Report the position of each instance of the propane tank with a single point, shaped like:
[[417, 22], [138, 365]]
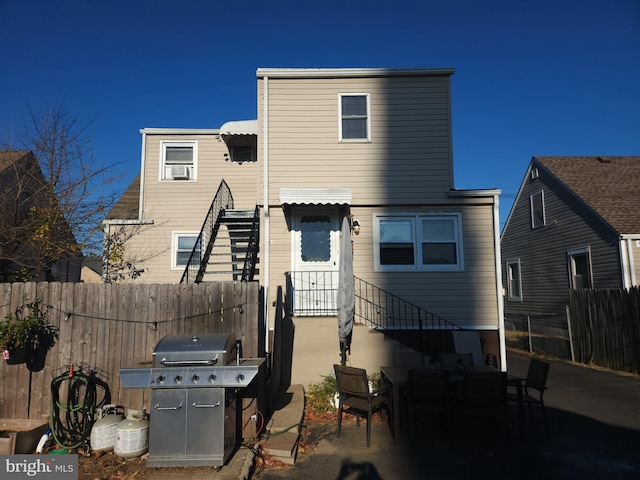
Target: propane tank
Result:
[[104, 431], [132, 438]]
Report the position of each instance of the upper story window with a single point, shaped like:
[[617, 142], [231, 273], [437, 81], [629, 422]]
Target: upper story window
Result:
[[537, 209], [514, 281], [580, 268], [420, 241], [178, 161], [354, 117]]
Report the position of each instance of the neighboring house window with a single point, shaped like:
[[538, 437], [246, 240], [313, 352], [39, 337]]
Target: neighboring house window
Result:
[[183, 246], [178, 161], [580, 268], [242, 153], [514, 280], [420, 241], [537, 209], [354, 117]]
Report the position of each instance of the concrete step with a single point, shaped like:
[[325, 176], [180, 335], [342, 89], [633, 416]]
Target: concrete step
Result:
[[285, 425]]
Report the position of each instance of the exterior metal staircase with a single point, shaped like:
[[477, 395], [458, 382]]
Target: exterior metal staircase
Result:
[[227, 247]]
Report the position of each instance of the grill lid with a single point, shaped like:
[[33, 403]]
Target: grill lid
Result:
[[202, 349]]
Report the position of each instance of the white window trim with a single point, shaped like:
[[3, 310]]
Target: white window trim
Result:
[[417, 266], [178, 143], [174, 247], [354, 140], [544, 210], [572, 253], [510, 296]]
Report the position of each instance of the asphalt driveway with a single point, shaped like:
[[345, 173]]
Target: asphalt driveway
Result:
[[595, 426]]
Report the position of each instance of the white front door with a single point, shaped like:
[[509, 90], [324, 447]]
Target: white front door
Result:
[[316, 238]]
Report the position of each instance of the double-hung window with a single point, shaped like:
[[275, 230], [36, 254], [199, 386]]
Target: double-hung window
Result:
[[184, 244], [580, 268], [418, 241], [537, 209], [354, 117], [514, 281], [178, 161]]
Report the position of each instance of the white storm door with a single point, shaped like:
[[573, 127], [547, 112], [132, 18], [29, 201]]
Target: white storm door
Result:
[[316, 239]]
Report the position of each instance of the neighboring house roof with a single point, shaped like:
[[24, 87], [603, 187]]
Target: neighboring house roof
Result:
[[608, 185], [9, 157], [127, 206]]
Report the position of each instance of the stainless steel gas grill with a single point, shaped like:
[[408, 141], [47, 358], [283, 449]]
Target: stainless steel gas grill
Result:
[[194, 381]]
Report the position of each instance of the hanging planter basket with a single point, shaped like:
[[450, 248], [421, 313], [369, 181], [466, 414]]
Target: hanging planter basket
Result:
[[15, 356]]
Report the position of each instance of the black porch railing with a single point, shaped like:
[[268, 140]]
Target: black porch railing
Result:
[[197, 263], [314, 294]]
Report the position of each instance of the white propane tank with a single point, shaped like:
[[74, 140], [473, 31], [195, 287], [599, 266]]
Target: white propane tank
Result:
[[132, 435], [104, 431]]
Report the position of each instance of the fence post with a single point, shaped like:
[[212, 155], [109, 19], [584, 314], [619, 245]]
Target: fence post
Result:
[[529, 333], [568, 310]]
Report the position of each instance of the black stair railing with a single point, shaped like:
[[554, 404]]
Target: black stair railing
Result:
[[386, 311], [197, 263], [251, 260]]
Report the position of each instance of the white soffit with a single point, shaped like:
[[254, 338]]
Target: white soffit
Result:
[[315, 196], [240, 127]]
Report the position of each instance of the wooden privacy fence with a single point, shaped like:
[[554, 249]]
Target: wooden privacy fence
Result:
[[605, 327], [109, 326]]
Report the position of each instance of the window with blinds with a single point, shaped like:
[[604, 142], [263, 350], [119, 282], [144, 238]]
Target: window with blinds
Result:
[[354, 117], [418, 242]]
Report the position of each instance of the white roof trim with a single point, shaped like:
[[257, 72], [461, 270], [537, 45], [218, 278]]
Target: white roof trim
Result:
[[180, 131], [240, 127], [350, 72], [315, 196]]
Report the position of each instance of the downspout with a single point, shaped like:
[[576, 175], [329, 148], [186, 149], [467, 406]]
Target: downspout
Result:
[[626, 263], [265, 207], [498, 267], [143, 155], [631, 265]]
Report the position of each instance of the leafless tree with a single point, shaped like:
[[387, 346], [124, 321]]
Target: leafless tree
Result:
[[54, 200]]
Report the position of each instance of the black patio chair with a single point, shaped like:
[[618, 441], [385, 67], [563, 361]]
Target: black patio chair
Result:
[[429, 392], [534, 388], [485, 396], [355, 397]]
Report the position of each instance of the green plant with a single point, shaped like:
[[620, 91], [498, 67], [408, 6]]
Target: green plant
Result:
[[28, 327], [320, 395]]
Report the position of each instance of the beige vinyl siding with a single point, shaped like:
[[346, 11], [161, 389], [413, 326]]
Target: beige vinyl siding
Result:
[[467, 298], [635, 258], [409, 154], [181, 206]]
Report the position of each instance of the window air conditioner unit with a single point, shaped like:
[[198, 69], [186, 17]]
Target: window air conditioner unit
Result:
[[180, 172]]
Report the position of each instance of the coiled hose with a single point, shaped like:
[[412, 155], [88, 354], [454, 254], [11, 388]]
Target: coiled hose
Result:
[[75, 395]]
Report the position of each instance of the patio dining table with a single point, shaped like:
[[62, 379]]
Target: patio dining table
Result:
[[398, 377]]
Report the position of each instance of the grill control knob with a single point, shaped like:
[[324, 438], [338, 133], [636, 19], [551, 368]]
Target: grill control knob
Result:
[[161, 379], [212, 378], [195, 378], [178, 379], [240, 378]]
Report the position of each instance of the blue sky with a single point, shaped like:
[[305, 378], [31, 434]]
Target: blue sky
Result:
[[533, 77]]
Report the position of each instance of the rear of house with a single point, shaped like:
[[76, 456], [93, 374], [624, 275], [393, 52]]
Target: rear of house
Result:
[[371, 145]]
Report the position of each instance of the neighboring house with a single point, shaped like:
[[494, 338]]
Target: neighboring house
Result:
[[574, 224], [36, 243], [370, 144], [91, 270]]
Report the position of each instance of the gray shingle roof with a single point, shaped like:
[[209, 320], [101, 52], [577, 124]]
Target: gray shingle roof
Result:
[[609, 185], [9, 157], [126, 208]]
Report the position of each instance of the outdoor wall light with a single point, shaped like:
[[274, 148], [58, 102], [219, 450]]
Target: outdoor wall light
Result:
[[356, 226]]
